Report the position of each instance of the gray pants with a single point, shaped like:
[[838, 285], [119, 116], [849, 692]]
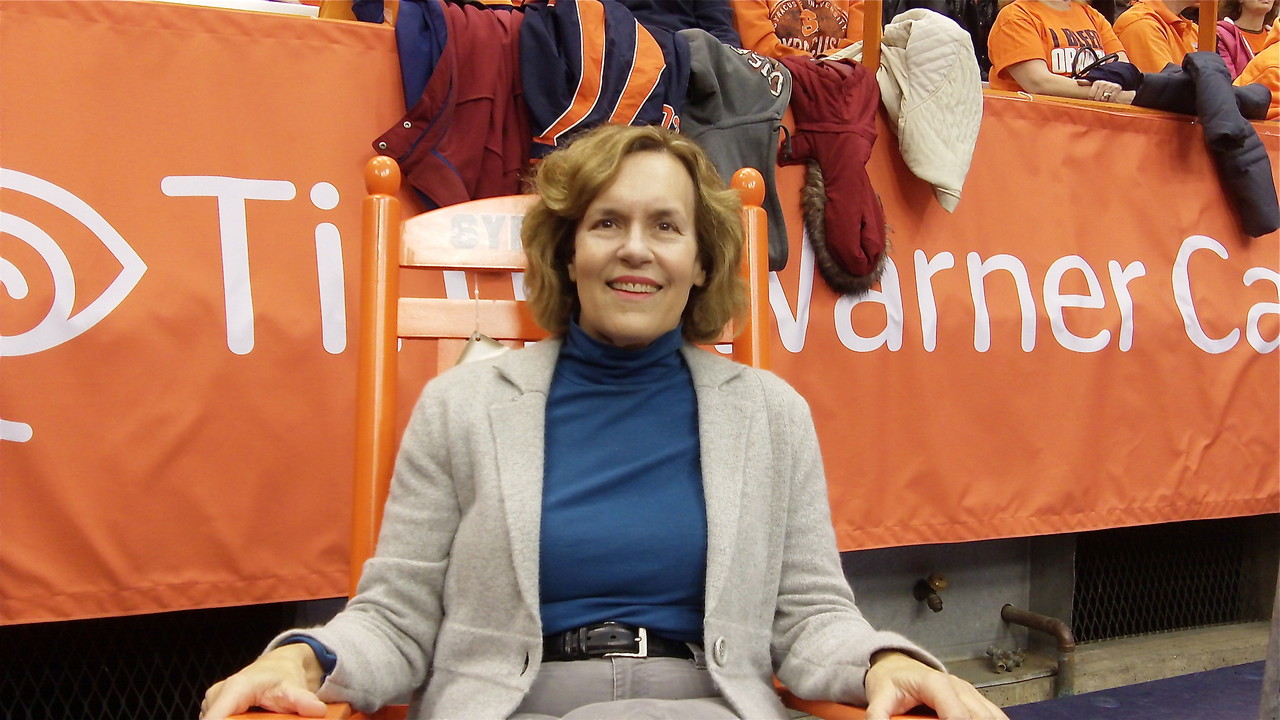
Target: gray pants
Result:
[[624, 689]]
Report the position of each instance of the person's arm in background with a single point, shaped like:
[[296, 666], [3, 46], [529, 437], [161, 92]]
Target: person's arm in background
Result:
[[756, 29], [1264, 69], [1034, 77]]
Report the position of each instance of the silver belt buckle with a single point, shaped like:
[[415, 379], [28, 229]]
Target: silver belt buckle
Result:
[[643, 636]]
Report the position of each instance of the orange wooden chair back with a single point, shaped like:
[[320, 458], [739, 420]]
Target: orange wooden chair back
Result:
[[387, 316]]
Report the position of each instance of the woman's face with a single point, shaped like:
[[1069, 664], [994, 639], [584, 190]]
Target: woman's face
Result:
[[636, 252]]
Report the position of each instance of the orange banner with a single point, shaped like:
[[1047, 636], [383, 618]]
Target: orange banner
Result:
[[1089, 341], [181, 198]]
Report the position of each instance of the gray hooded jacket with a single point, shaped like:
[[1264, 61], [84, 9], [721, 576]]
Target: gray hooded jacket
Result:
[[733, 110]]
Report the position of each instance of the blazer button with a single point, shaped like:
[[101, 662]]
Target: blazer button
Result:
[[720, 651]]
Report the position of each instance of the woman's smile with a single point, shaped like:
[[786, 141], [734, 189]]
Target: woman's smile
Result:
[[635, 286]]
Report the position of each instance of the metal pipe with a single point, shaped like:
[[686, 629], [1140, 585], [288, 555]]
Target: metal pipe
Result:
[[1065, 683]]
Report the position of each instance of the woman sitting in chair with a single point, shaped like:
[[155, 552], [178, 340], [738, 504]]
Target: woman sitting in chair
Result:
[[611, 521]]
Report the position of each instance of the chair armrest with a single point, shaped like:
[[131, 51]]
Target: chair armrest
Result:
[[834, 711], [818, 708], [336, 711]]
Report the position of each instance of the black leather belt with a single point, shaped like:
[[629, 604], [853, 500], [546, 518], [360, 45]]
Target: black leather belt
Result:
[[610, 639]]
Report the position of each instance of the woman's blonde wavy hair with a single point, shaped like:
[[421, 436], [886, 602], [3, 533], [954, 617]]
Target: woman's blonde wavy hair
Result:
[[569, 179]]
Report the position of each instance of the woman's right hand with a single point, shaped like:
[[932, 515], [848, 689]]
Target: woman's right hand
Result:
[[283, 680]]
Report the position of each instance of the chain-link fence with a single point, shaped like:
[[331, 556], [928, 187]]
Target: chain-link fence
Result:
[[1141, 580], [150, 667]]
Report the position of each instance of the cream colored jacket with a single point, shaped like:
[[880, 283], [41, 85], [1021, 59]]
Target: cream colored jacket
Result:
[[932, 90]]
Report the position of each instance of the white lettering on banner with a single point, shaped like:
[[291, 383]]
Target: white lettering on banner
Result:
[[978, 271], [793, 324], [1055, 301], [58, 325], [1186, 304], [1183, 296], [332, 285], [232, 194], [455, 285], [1120, 278], [925, 270], [890, 295], [1256, 312], [330, 274]]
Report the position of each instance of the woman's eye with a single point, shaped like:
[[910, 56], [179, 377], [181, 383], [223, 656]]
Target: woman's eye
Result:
[[604, 223], [667, 227]]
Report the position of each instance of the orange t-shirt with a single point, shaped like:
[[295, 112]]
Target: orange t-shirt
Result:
[[1154, 37], [1032, 30], [777, 28], [1264, 68], [1257, 40]]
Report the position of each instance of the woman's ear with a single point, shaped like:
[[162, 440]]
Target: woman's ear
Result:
[[699, 275], [572, 271]]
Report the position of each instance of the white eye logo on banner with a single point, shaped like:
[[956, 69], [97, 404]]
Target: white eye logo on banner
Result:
[[59, 325]]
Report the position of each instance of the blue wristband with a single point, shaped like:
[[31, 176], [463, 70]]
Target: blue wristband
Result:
[[328, 661]]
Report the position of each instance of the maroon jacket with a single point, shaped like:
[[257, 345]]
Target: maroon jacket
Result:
[[834, 104], [468, 137]]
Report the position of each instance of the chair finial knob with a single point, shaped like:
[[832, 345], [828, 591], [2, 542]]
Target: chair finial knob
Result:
[[382, 176], [750, 186]]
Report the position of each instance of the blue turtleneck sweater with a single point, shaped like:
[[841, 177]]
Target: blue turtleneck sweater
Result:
[[624, 526]]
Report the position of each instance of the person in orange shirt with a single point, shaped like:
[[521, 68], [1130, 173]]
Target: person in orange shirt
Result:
[[1155, 34], [1037, 45], [1264, 69], [778, 28], [1254, 18]]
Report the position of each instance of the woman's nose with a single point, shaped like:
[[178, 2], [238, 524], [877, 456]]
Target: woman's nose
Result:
[[635, 246]]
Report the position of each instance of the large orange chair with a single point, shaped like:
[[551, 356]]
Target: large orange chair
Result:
[[388, 317]]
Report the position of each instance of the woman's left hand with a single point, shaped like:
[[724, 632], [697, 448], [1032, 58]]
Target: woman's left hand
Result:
[[1103, 91], [897, 682]]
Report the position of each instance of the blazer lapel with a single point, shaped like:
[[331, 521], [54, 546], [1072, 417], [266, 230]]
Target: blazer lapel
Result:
[[725, 424], [518, 435]]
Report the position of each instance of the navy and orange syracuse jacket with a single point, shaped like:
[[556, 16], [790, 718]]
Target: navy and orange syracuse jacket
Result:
[[585, 63]]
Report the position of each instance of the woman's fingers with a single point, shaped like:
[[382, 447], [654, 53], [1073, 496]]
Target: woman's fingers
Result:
[[281, 681], [976, 705], [898, 683], [1104, 91]]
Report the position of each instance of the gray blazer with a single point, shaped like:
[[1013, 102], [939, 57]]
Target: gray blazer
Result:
[[448, 612]]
